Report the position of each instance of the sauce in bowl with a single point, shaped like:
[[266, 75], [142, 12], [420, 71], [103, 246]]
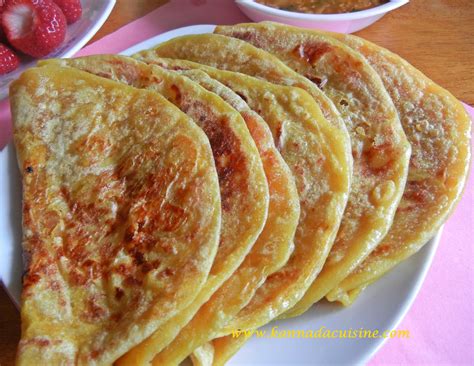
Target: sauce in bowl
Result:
[[323, 6]]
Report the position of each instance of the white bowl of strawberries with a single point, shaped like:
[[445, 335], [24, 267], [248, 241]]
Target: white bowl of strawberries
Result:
[[34, 29]]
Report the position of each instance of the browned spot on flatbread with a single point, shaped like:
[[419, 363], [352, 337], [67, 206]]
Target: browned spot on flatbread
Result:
[[94, 312], [51, 219], [241, 95], [278, 132], [247, 36], [229, 161], [167, 272], [417, 192], [39, 266], [226, 149], [377, 160], [176, 99], [319, 81], [95, 354], [76, 236], [346, 66], [133, 281], [142, 221], [311, 52], [381, 251], [119, 293], [38, 342]]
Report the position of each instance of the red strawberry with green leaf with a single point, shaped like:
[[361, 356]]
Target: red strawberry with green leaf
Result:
[[9, 61], [35, 27], [72, 9]]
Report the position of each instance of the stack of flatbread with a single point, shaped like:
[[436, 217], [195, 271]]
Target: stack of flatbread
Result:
[[218, 182]]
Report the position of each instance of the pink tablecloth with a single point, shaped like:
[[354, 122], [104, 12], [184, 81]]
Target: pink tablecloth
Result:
[[441, 319]]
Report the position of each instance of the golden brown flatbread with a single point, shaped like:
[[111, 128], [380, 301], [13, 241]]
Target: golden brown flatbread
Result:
[[244, 189], [438, 129], [232, 55], [244, 193], [121, 214], [317, 154], [379, 146], [276, 239], [270, 252]]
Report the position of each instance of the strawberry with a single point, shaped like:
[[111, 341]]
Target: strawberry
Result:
[[72, 9], [2, 35], [35, 27], [8, 60]]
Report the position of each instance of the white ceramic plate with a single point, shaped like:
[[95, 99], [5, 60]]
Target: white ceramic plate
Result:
[[381, 306], [94, 14], [342, 23]]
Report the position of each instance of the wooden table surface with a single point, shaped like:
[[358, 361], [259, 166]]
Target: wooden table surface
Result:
[[437, 36]]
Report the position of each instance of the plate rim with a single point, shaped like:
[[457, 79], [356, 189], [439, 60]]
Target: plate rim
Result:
[[432, 247]]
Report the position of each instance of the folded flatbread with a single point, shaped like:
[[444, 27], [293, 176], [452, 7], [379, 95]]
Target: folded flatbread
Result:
[[121, 214], [319, 160], [270, 252], [379, 146], [244, 188], [438, 129]]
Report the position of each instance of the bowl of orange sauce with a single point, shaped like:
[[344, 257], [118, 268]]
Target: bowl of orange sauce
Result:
[[343, 16]]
